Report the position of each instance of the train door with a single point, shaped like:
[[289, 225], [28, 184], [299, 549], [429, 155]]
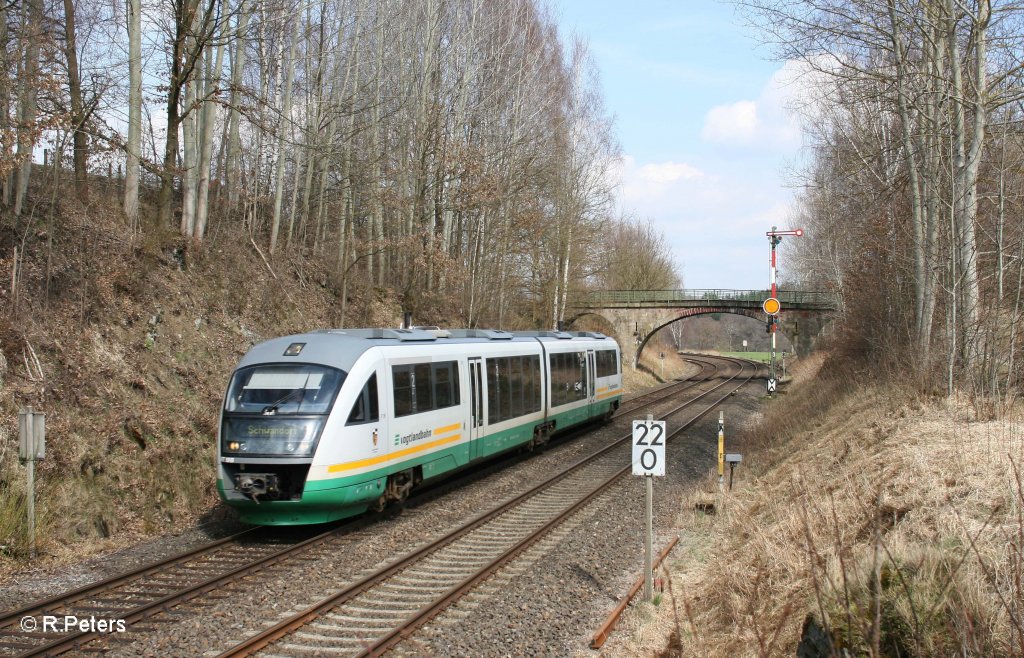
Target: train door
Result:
[[365, 433], [476, 407], [591, 381]]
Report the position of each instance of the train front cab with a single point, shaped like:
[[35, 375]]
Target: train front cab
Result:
[[288, 484]]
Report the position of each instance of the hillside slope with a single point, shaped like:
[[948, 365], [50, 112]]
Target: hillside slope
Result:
[[892, 521], [126, 346]]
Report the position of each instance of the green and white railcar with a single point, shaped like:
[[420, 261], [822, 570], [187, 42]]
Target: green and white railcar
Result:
[[325, 425]]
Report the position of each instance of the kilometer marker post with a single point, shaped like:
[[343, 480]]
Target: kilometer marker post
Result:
[[649, 540], [32, 447], [648, 461]]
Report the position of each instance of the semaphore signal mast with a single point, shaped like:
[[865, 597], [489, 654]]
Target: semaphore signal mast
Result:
[[771, 305]]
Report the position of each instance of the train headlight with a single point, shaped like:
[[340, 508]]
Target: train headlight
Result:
[[235, 446]]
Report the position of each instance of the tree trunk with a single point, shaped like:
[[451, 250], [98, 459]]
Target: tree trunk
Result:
[[233, 168], [966, 162], [5, 101], [134, 145], [78, 115], [29, 82], [165, 197], [190, 157], [285, 120], [208, 117]]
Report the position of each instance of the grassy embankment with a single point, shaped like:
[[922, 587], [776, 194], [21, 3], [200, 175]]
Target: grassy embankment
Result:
[[763, 357], [894, 521]]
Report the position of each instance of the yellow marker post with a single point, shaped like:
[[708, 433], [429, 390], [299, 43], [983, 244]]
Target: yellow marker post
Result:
[[721, 450]]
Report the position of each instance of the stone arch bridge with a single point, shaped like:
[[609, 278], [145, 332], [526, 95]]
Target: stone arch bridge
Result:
[[642, 313]]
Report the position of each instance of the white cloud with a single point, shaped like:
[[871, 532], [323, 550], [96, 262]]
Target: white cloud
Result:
[[713, 216], [668, 172], [650, 188], [767, 122], [731, 124], [714, 199]]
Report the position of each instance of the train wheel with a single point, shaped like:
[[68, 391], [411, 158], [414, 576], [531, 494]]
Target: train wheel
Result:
[[399, 485]]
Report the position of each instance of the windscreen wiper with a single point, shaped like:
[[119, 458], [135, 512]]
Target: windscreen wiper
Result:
[[270, 410]]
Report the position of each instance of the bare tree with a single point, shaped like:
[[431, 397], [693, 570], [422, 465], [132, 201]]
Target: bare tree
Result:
[[193, 24], [78, 114], [28, 83], [133, 146]]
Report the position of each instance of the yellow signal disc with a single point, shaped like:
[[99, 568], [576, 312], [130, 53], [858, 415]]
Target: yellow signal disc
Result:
[[771, 306]]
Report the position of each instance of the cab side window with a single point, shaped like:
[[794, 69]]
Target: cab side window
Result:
[[366, 408]]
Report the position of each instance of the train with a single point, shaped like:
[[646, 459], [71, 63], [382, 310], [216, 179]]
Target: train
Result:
[[326, 425]]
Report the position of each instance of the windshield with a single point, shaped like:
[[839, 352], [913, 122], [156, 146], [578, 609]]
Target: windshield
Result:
[[274, 390]]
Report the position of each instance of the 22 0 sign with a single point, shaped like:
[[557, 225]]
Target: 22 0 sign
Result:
[[648, 447]]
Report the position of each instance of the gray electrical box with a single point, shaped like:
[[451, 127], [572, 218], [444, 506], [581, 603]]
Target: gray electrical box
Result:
[[32, 429], [733, 458]]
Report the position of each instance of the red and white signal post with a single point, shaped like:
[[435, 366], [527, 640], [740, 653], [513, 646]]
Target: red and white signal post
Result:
[[771, 305]]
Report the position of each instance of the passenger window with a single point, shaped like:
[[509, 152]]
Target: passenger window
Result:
[[402, 376], [366, 407], [422, 387], [423, 391], [443, 386]]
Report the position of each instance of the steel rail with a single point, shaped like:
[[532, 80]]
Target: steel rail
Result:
[[302, 618], [609, 623], [668, 390], [429, 612], [705, 363], [131, 616], [57, 601]]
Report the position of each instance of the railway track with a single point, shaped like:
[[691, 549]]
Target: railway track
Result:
[[204, 571], [708, 369], [380, 610], [138, 594]]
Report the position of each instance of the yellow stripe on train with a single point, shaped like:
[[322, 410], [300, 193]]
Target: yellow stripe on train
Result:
[[362, 463]]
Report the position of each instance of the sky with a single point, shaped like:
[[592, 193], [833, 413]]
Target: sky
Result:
[[700, 113]]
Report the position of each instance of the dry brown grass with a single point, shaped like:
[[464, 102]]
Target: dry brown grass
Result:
[[650, 373], [898, 524]]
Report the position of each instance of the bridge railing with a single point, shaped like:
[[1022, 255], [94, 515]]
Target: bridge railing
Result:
[[802, 298]]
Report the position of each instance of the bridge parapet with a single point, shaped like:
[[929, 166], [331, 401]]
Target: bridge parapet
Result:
[[636, 315], [789, 299]]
